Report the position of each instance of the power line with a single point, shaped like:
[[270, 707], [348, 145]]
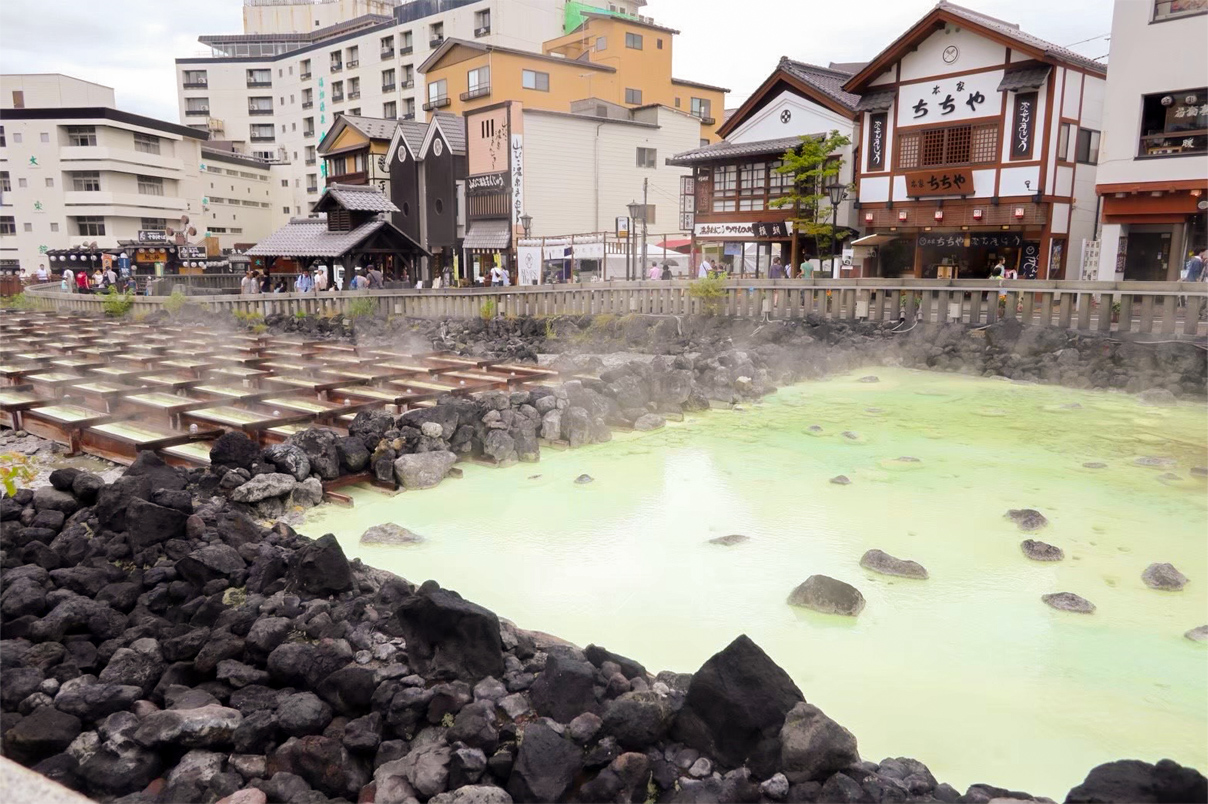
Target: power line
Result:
[[1092, 39]]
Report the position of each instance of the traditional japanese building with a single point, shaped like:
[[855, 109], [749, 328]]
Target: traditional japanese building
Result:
[[351, 151], [977, 141], [728, 200]]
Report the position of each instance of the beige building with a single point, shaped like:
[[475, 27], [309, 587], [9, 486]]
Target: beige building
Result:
[[76, 170]]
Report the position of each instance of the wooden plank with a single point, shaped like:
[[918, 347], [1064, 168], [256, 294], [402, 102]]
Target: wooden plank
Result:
[[1146, 315], [1067, 310], [1085, 302], [1191, 314], [1106, 313], [1126, 318]]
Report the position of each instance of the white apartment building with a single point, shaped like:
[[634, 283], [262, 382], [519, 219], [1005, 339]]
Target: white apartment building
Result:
[[1153, 163], [243, 198], [75, 170], [276, 89]]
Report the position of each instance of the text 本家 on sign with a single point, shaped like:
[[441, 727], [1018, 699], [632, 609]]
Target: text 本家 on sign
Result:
[[941, 181]]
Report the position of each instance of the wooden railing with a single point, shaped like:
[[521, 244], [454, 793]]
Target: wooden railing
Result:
[[1168, 309]]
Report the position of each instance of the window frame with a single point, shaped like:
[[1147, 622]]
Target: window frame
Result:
[[633, 41], [150, 185], [90, 225], [1172, 142], [8, 225], [86, 178], [647, 158], [1092, 141], [146, 143], [81, 136], [981, 137], [537, 75], [631, 92]]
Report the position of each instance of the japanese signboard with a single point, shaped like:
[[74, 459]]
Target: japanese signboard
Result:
[[877, 123], [961, 240], [622, 226], [517, 178], [774, 229], [152, 236], [949, 99], [724, 230], [192, 252], [941, 181], [1023, 130], [1029, 261], [486, 184]]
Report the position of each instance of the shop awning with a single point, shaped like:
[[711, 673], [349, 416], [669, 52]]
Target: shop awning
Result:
[[489, 236], [1024, 77], [877, 100], [874, 240]]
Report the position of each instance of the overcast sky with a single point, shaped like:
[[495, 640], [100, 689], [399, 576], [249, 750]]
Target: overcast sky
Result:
[[130, 44]]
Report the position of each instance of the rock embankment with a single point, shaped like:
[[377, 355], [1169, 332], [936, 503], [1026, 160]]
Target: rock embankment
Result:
[[157, 646]]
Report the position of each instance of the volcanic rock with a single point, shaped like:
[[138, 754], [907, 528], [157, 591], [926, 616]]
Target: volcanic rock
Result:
[[1164, 577], [1027, 518], [827, 595], [730, 540], [545, 766], [1068, 601], [1040, 551], [812, 746], [423, 470], [320, 567], [884, 563], [1135, 781], [448, 637]]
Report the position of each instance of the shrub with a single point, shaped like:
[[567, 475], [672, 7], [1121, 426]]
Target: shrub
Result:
[[15, 467], [488, 309], [117, 304], [248, 317], [362, 308], [18, 302], [299, 314], [259, 329], [174, 303], [711, 291]]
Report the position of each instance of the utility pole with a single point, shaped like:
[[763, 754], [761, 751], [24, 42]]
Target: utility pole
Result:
[[645, 216]]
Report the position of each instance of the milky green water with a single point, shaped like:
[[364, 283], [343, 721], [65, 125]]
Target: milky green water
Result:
[[967, 671]]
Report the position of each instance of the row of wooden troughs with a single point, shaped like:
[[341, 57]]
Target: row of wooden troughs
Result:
[[113, 389]]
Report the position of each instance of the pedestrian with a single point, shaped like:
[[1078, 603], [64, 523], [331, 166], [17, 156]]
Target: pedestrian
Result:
[[705, 268], [666, 275], [42, 274], [81, 280], [496, 276], [1000, 269], [266, 281], [110, 277], [69, 280], [321, 279], [375, 278], [777, 269], [654, 273], [1194, 269]]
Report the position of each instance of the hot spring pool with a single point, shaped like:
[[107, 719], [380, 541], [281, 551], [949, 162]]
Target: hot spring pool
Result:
[[967, 671]]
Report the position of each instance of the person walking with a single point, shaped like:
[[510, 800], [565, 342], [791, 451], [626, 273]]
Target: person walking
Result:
[[42, 274], [247, 284], [110, 277], [496, 276], [375, 278], [777, 269], [81, 280], [666, 274], [69, 280], [653, 273], [1194, 270], [705, 269]]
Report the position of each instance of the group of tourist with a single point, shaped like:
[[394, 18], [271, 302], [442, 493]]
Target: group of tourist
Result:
[[99, 281], [777, 270]]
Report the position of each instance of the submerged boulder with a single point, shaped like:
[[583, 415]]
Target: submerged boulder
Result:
[[730, 540], [828, 595], [1134, 780], [1198, 634], [1041, 551], [1163, 576], [1027, 518], [390, 533], [1068, 601], [884, 563]]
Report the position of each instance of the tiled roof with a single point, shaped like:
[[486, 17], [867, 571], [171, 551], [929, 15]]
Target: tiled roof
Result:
[[829, 82], [413, 132], [308, 237], [360, 197], [494, 235], [375, 128], [876, 100], [1030, 76], [454, 128], [729, 150], [1012, 31]]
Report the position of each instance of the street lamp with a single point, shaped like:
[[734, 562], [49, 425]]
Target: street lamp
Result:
[[637, 212], [837, 193], [526, 221]]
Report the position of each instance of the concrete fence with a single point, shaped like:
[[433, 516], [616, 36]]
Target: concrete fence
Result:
[[1169, 309]]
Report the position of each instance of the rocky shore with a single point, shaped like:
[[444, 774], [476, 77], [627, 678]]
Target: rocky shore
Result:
[[160, 646]]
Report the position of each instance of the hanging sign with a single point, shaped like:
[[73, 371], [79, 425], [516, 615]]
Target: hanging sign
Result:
[[771, 229], [192, 252], [517, 178], [622, 226], [152, 236], [1024, 130], [941, 181], [529, 264], [724, 230], [592, 250], [486, 184], [876, 140], [1029, 261]]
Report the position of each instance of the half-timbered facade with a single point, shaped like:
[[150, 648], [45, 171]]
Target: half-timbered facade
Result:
[[729, 203], [977, 142]]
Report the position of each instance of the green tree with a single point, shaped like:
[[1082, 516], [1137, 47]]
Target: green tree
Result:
[[813, 164]]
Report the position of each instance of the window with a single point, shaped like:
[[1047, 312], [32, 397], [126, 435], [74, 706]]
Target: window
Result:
[[44, 136], [3, 143], [312, 183], [647, 157], [90, 225], [1169, 9], [153, 224], [304, 68], [390, 110], [197, 107], [437, 34], [479, 83], [260, 105], [308, 98], [146, 143], [21, 183], [1063, 143], [1088, 147], [308, 127], [354, 88], [355, 111], [1174, 123], [438, 91], [354, 56], [285, 182], [408, 76], [658, 43], [778, 183], [725, 188], [405, 44], [531, 79], [388, 80], [482, 22], [262, 132], [409, 109], [957, 145], [80, 135], [337, 61], [633, 41], [633, 96], [337, 91], [259, 78], [701, 108], [54, 226], [387, 47], [28, 227], [8, 225], [195, 79], [150, 185], [18, 99], [601, 43], [310, 154], [6, 184]]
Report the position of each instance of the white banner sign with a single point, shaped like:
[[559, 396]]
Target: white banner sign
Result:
[[589, 251], [529, 271], [943, 100], [725, 230], [517, 178]]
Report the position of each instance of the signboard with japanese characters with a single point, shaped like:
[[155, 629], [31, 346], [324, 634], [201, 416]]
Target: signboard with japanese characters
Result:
[[877, 124], [152, 236], [486, 184], [1023, 127], [961, 240], [1029, 261], [940, 181], [945, 100], [771, 229], [517, 162], [192, 252]]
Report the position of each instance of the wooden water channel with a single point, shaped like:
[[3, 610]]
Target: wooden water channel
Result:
[[1165, 309], [115, 388]]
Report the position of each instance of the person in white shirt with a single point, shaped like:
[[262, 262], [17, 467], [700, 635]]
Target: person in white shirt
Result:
[[42, 274], [69, 278], [705, 268]]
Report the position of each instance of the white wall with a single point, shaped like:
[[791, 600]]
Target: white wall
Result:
[[972, 52], [303, 17], [52, 91], [805, 117]]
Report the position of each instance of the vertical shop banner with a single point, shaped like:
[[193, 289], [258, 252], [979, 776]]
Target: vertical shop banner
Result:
[[529, 268], [1023, 132], [876, 140], [517, 178], [1029, 261]]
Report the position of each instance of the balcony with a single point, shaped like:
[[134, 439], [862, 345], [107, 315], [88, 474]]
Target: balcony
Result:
[[310, 160], [387, 87], [253, 84], [337, 98], [196, 84], [483, 31], [309, 133], [405, 51], [436, 42], [312, 190], [476, 92], [198, 112], [437, 103], [258, 112], [704, 119], [305, 76], [263, 138], [408, 84], [354, 95], [387, 54], [354, 63], [308, 104], [335, 68], [408, 116], [360, 177]]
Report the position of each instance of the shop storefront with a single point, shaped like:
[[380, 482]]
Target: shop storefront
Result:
[[744, 248], [1153, 229]]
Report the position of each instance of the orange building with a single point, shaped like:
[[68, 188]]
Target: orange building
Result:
[[617, 59]]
